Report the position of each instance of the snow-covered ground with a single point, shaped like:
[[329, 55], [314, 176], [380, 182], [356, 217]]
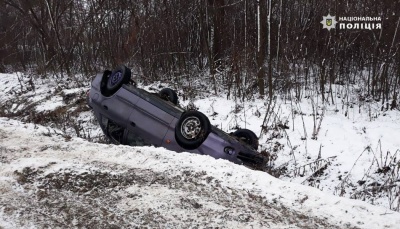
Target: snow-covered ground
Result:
[[348, 147], [47, 181]]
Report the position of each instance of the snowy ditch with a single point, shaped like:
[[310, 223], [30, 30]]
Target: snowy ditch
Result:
[[347, 149]]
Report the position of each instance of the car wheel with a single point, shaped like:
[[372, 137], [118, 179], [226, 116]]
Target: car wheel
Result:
[[169, 95], [112, 81], [192, 130], [248, 137]]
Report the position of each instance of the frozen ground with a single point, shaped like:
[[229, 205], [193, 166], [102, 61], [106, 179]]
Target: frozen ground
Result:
[[347, 148]]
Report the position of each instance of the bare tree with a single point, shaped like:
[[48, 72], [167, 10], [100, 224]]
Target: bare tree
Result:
[[245, 46], [261, 44]]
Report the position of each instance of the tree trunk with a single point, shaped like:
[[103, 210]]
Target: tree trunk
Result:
[[261, 41]]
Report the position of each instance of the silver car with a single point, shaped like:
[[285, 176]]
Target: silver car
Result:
[[132, 116]]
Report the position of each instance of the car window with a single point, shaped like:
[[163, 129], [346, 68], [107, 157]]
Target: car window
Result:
[[115, 131], [133, 139]]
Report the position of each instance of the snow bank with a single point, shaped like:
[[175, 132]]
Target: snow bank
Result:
[[49, 180]]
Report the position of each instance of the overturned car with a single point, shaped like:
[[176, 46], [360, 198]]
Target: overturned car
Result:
[[132, 116]]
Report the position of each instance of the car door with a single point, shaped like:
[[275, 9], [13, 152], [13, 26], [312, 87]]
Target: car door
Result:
[[119, 106], [149, 121]]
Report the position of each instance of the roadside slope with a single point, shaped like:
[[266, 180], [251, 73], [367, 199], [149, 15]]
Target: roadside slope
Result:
[[47, 180]]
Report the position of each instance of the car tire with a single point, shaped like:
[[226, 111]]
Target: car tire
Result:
[[248, 137], [169, 95], [112, 81], [192, 129]]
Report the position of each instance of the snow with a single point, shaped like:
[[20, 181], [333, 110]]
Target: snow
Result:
[[184, 190], [352, 143], [50, 105], [28, 147]]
